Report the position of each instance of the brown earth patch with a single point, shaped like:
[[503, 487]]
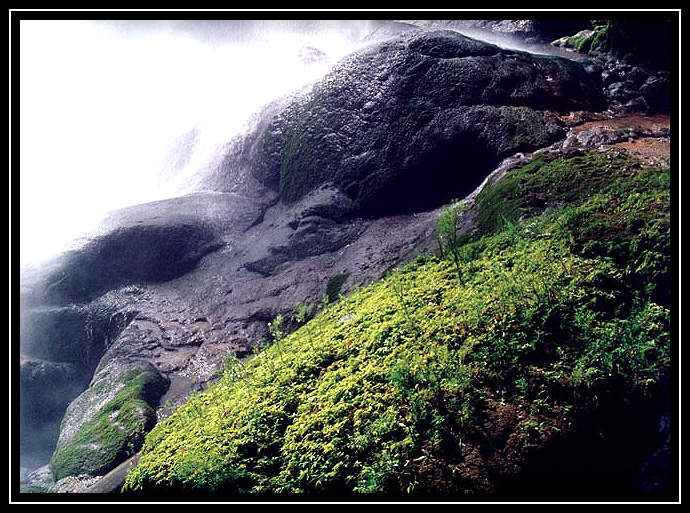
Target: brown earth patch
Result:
[[653, 123], [651, 140], [654, 151]]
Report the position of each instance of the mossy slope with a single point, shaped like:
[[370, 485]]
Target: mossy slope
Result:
[[536, 368]]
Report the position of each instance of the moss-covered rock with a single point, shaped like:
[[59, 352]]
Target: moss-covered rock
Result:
[[540, 374], [640, 42], [106, 424]]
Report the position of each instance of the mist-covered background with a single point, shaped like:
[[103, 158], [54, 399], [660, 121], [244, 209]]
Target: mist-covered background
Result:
[[117, 113]]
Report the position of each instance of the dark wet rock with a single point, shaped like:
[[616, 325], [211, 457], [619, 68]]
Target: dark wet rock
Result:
[[639, 42], [332, 184], [621, 91], [75, 334], [143, 253], [638, 90], [66, 344], [112, 482], [44, 382], [524, 31], [402, 126], [319, 224], [656, 90], [154, 242], [46, 388], [634, 57], [342, 181]]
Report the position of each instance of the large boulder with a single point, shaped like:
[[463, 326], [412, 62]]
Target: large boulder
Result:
[[129, 255], [61, 346], [518, 31], [149, 243], [106, 424], [408, 124], [72, 334]]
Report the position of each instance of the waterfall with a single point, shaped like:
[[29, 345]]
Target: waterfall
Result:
[[118, 113]]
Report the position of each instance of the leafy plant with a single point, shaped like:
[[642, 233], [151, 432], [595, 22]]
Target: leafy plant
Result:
[[335, 284], [303, 314], [447, 233]]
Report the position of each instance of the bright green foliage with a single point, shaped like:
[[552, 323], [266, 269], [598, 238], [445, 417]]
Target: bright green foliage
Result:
[[552, 177], [304, 313], [414, 377], [275, 328]]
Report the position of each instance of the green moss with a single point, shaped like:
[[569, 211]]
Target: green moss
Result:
[[419, 384], [601, 31], [300, 170], [581, 43], [116, 432], [549, 177], [645, 42], [334, 286]]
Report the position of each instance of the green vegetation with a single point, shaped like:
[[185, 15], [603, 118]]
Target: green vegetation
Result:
[[447, 234], [116, 432], [638, 42], [549, 177], [582, 42], [334, 286], [420, 384], [303, 143]]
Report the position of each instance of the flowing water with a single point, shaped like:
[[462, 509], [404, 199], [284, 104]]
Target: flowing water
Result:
[[115, 114], [118, 113]]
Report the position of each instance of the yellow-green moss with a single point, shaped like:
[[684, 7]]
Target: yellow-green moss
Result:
[[417, 383]]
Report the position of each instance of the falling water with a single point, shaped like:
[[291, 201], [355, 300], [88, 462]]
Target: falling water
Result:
[[118, 113], [115, 114]]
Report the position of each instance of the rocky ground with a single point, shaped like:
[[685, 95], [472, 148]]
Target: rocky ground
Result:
[[186, 342], [647, 136]]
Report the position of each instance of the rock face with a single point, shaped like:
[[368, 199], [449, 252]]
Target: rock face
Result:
[[425, 112], [340, 182], [524, 31], [148, 250], [47, 388], [634, 60], [66, 344]]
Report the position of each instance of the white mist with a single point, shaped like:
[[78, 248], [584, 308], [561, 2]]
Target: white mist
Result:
[[112, 118]]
